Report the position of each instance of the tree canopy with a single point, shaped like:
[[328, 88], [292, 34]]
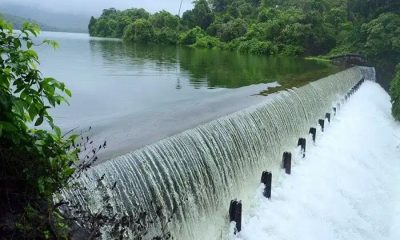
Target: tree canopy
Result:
[[269, 27], [287, 27]]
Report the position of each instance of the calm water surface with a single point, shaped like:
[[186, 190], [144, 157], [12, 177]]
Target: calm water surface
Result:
[[133, 95]]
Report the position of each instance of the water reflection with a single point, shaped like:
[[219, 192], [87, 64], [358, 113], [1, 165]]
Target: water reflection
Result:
[[201, 67]]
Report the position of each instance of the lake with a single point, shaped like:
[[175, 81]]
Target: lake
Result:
[[133, 95]]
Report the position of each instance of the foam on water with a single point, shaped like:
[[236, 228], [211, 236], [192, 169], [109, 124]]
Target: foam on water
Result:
[[347, 186]]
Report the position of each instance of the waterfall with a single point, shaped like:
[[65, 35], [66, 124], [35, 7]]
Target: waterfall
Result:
[[193, 175], [368, 73]]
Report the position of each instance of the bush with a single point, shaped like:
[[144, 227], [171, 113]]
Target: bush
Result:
[[234, 44], [207, 42], [292, 50], [34, 163], [190, 37], [232, 29], [395, 94], [258, 47], [166, 36]]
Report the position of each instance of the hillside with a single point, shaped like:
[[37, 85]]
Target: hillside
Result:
[[17, 22], [64, 22]]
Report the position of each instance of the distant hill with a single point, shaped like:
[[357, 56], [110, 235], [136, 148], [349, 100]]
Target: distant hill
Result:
[[17, 22], [49, 21]]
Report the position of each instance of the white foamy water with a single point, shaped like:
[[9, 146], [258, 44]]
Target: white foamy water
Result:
[[347, 187]]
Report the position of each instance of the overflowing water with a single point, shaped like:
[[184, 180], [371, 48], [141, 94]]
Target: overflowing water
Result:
[[347, 186], [192, 176]]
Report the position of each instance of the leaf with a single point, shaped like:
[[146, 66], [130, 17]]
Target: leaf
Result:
[[32, 111], [39, 121], [69, 171], [6, 126], [29, 44], [57, 130], [68, 92], [52, 43]]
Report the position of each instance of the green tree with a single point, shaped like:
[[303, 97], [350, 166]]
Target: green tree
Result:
[[164, 19], [102, 28], [219, 5], [200, 15], [139, 31], [34, 163], [92, 25], [381, 36], [232, 29]]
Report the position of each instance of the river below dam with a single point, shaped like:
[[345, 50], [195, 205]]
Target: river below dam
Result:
[[133, 95]]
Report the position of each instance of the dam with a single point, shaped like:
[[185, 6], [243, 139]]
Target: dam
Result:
[[184, 183]]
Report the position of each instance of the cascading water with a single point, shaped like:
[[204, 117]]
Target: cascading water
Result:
[[193, 176]]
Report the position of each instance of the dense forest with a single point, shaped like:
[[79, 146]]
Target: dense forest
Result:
[[266, 27]]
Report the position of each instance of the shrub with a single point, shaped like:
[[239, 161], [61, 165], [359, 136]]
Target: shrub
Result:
[[207, 42], [190, 37], [232, 29], [258, 47], [34, 163], [166, 36], [292, 50]]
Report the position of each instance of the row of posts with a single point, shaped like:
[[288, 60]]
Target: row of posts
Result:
[[235, 208]]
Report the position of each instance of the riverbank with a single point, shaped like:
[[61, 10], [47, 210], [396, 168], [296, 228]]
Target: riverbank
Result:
[[346, 187]]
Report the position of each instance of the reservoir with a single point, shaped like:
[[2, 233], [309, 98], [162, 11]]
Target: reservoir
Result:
[[134, 95]]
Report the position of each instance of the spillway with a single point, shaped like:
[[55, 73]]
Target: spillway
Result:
[[191, 177]]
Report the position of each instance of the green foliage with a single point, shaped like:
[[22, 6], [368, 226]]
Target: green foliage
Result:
[[233, 29], [395, 94], [266, 14], [112, 22], [207, 42], [164, 19], [258, 47], [381, 36], [140, 30], [35, 163], [295, 27], [165, 36], [292, 50], [190, 37], [200, 15], [365, 10]]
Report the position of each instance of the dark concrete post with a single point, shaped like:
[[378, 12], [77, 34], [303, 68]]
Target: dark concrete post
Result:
[[235, 214], [302, 144], [313, 132], [266, 179], [321, 122], [328, 116], [334, 111], [287, 162]]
